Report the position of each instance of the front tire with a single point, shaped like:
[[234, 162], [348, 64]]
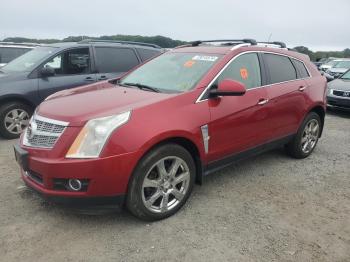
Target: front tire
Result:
[[14, 118], [307, 137], [161, 183]]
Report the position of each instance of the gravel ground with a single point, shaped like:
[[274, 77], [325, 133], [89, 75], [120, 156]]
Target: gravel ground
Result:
[[269, 208]]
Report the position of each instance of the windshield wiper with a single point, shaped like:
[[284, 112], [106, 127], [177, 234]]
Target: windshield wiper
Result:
[[141, 86]]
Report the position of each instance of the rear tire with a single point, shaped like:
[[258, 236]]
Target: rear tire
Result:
[[307, 137], [161, 183], [14, 118]]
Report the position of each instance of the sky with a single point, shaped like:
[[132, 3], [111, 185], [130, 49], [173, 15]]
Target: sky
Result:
[[317, 24]]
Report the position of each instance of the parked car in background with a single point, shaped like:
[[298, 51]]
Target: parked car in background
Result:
[[9, 51], [339, 68], [145, 138], [330, 62], [31, 78], [338, 92]]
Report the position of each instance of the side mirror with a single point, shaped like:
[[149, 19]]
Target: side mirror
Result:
[[47, 71], [228, 87], [328, 77]]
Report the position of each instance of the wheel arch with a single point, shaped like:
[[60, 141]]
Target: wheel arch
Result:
[[186, 143], [16, 98], [318, 109]]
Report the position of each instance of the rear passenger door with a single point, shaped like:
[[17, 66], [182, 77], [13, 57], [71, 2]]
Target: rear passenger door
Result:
[[286, 93], [111, 62]]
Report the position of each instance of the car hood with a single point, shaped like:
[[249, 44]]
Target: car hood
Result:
[[340, 84], [9, 77], [78, 105]]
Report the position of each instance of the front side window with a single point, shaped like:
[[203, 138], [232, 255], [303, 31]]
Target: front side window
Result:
[[280, 67], [71, 62], [245, 69], [173, 72]]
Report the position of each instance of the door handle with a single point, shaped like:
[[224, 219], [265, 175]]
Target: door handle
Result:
[[263, 101], [89, 79], [103, 78], [302, 88]]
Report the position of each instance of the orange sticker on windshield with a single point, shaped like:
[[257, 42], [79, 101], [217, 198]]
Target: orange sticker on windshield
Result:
[[189, 63], [244, 73]]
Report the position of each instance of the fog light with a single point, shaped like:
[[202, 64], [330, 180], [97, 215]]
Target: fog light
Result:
[[74, 184]]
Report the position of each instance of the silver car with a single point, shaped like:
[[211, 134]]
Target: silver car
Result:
[[338, 92]]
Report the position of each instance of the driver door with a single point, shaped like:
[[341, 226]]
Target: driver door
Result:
[[239, 123], [72, 69]]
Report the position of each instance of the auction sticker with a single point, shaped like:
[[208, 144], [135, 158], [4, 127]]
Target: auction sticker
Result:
[[244, 73], [205, 58]]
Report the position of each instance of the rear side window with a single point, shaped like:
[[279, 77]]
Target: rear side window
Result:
[[280, 67], [302, 71], [7, 54], [146, 54], [245, 69], [110, 59]]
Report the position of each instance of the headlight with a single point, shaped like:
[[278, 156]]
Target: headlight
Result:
[[329, 91], [92, 138]]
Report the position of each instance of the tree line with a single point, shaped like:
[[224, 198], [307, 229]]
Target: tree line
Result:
[[167, 42], [162, 41], [316, 56]]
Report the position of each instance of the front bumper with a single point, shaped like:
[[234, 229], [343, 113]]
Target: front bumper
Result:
[[338, 102], [107, 178]]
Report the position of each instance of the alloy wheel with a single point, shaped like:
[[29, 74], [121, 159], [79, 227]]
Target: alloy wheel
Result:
[[310, 136], [16, 120], [165, 184]]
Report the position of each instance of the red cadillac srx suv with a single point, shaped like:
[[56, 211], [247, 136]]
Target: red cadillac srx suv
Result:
[[145, 138]]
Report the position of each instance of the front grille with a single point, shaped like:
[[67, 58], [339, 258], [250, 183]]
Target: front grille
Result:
[[43, 132], [341, 93], [49, 127]]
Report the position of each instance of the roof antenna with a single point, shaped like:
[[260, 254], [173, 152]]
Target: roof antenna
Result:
[[268, 40]]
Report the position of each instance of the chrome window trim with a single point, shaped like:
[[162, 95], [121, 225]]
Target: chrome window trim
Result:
[[199, 99], [240, 45]]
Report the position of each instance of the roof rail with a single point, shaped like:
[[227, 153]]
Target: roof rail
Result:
[[276, 43], [118, 42], [20, 44], [227, 41]]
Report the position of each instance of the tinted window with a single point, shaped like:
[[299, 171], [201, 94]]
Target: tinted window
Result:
[[111, 59], [72, 62], [7, 54], [146, 54], [245, 69], [280, 67], [303, 73]]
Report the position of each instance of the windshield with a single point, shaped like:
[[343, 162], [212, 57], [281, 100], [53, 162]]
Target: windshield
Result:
[[346, 75], [28, 61], [173, 72], [342, 64]]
